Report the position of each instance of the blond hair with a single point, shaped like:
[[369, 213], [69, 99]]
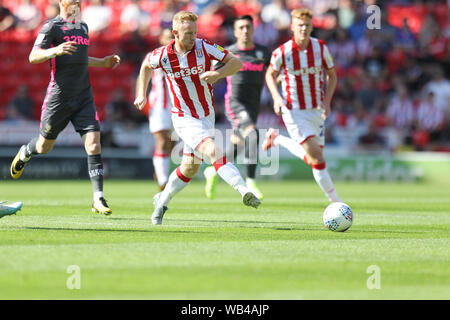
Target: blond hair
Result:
[[182, 16], [301, 13]]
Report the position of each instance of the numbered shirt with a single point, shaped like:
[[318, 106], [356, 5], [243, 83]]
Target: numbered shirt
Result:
[[69, 73], [302, 70], [189, 94]]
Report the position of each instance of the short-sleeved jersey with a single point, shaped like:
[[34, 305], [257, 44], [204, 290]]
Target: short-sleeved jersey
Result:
[[189, 94], [244, 87], [69, 73], [302, 82], [159, 94]]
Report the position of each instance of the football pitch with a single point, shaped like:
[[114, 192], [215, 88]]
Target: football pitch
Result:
[[397, 248]]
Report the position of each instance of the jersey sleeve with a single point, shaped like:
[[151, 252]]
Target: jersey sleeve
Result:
[[327, 58], [276, 60], [215, 51], [46, 36], [153, 58]]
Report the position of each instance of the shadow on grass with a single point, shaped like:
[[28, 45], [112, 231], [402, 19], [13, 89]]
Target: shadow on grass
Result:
[[155, 229]]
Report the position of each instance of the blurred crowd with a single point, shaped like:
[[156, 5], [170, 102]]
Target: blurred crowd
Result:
[[393, 91]]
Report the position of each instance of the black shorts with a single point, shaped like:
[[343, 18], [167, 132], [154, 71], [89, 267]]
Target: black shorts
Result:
[[241, 116], [58, 111]]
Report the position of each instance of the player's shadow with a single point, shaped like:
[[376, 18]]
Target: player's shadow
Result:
[[154, 229]]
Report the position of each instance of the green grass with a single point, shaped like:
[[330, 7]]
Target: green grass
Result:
[[222, 250]]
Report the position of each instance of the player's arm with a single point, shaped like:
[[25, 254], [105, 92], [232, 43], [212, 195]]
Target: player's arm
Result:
[[271, 80], [331, 83], [142, 82], [106, 62], [231, 65], [39, 55]]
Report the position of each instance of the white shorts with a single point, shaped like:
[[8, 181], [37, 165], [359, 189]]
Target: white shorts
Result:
[[193, 131], [159, 119], [304, 124]]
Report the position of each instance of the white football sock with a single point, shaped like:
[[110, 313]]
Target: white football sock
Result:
[[295, 148], [98, 195], [325, 183], [232, 176], [177, 181], [161, 163]]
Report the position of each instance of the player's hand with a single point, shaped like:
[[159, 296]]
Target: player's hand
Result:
[[140, 102], [66, 48], [210, 76], [111, 61], [277, 105], [325, 110]]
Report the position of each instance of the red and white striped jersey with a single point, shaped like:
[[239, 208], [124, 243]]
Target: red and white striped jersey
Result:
[[189, 94], [303, 78], [159, 95], [429, 117], [401, 112]]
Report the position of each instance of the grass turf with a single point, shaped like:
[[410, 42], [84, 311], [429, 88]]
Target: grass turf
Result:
[[222, 250]]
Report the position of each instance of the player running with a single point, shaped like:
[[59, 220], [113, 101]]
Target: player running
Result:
[[242, 102], [9, 209], [187, 64], [64, 41], [304, 108], [160, 119]]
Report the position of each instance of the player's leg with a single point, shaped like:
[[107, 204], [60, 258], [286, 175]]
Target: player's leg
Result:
[[273, 138], [234, 148], [251, 137], [161, 156], [9, 209], [85, 122], [91, 140], [55, 117], [178, 180], [317, 162], [227, 171]]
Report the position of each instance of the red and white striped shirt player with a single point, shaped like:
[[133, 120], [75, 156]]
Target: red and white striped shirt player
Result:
[[186, 61], [302, 72], [303, 63]]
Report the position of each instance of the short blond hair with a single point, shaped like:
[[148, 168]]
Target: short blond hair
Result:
[[182, 16], [301, 13]]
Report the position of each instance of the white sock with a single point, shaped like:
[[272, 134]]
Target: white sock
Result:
[[295, 148], [232, 176], [325, 183], [177, 181], [161, 164], [98, 195]]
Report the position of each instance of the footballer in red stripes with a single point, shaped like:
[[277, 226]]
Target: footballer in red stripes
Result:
[[303, 62], [186, 61]]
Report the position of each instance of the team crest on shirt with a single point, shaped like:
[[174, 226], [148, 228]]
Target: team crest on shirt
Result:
[[259, 54], [199, 53]]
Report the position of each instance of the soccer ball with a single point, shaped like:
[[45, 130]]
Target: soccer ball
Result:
[[338, 217]]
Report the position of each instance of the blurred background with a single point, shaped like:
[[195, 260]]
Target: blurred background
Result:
[[392, 101]]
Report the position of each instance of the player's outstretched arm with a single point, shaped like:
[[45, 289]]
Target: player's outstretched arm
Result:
[[142, 84], [39, 55], [231, 65], [271, 80], [106, 62], [331, 84]]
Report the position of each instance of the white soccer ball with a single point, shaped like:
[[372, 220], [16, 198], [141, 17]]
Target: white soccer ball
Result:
[[338, 217]]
